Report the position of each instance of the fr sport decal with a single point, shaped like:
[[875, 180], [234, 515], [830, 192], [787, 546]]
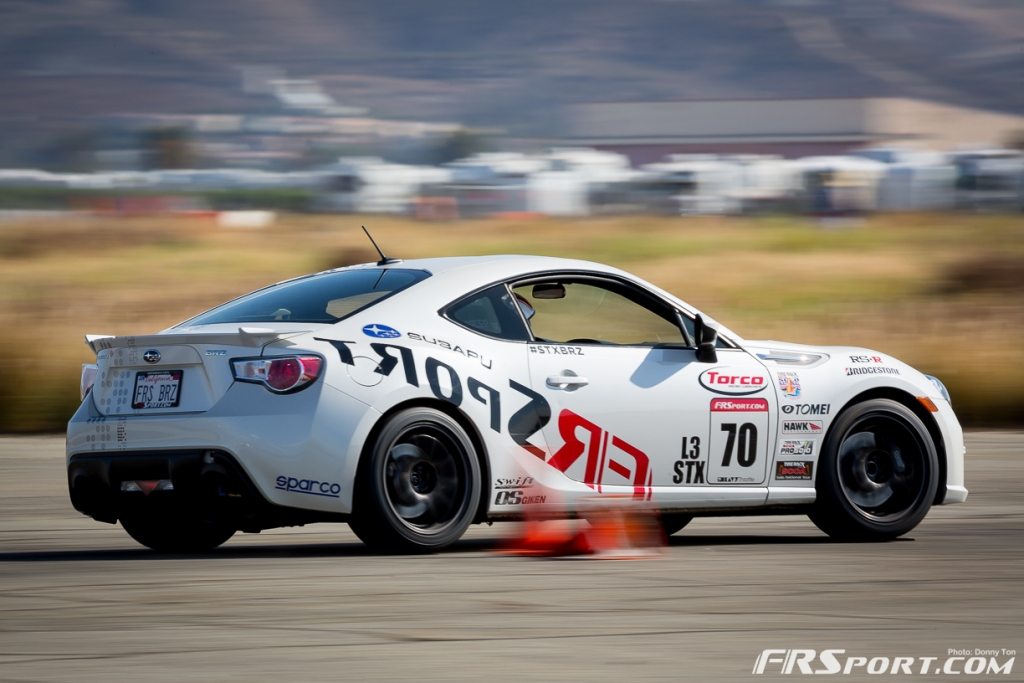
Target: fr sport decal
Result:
[[610, 460]]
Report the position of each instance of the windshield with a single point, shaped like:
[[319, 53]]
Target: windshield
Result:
[[323, 298]]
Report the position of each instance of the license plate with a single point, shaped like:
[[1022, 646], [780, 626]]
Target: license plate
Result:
[[157, 389]]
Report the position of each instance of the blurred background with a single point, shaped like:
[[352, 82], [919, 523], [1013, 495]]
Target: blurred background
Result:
[[815, 171]]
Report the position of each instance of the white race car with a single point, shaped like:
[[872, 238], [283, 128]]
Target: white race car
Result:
[[412, 399]]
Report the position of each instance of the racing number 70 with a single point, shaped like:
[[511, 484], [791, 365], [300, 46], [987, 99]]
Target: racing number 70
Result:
[[746, 449]]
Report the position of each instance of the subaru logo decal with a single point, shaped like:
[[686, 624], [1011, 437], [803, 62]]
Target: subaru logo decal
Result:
[[151, 356], [381, 331]]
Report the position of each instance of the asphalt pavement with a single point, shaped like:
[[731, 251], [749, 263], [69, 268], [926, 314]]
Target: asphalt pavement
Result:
[[80, 601]]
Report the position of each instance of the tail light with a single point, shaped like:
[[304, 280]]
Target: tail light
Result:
[[89, 371], [280, 374]]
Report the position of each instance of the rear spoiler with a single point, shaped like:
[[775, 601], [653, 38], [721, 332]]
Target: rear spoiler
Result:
[[246, 336]]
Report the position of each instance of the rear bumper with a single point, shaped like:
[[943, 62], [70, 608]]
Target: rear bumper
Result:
[[278, 445], [208, 483]]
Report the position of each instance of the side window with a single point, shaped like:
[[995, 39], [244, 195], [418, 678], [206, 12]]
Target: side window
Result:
[[490, 312], [589, 311]]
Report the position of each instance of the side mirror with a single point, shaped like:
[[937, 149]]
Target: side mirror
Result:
[[707, 336]]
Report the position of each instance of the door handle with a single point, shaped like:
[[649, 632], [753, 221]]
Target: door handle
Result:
[[567, 380]]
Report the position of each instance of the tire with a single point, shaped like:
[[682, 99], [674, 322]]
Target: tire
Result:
[[173, 533], [673, 522], [419, 487], [877, 474]]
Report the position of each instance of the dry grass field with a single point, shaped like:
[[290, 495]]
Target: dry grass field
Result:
[[942, 292]]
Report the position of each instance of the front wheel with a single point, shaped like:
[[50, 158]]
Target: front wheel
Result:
[[420, 487], [877, 474]]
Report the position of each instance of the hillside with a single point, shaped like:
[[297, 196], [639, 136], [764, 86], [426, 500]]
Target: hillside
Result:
[[490, 63]]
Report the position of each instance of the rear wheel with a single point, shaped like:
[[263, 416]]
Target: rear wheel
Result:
[[171, 533], [877, 474], [420, 487]]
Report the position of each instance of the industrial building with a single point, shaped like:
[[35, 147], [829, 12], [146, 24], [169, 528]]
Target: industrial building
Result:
[[649, 131]]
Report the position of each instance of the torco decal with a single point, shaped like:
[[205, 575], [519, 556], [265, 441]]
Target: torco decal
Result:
[[726, 381], [871, 370], [313, 487], [802, 427], [788, 469], [807, 408], [789, 384]]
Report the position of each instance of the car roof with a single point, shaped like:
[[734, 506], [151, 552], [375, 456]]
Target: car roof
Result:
[[474, 271]]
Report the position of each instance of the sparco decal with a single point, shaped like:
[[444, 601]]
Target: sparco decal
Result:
[[803, 427], [313, 487], [725, 380], [789, 384], [793, 469], [449, 346], [871, 370], [807, 408], [797, 447]]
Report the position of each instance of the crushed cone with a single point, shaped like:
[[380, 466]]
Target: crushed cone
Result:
[[614, 529]]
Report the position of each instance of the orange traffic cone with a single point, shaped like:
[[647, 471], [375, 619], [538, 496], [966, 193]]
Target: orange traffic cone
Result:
[[614, 529]]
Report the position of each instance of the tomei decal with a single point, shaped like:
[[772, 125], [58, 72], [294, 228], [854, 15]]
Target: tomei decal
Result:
[[454, 348], [689, 469], [738, 447], [724, 380], [797, 447], [865, 359], [789, 384], [807, 408], [803, 427], [606, 453], [871, 370], [559, 350], [794, 469], [312, 487], [381, 331]]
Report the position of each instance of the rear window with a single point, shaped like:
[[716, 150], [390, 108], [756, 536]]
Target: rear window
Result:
[[323, 298]]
